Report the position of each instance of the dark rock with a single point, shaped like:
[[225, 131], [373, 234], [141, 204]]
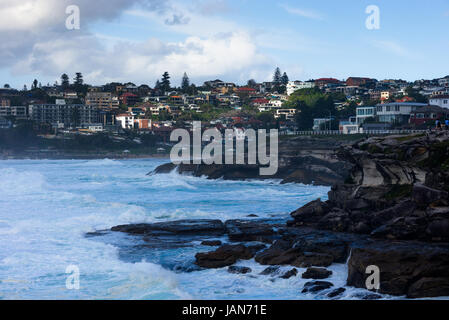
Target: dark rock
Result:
[[252, 216], [316, 273], [309, 259], [270, 270], [336, 293], [280, 253], [402, 264], [164, 168], [311, 212], [291, 273], [224, 256], [316, 286], [424, 195], [245, 230], [429, 287], [367, 296], [196, 227], [211, 243], [239, 270]]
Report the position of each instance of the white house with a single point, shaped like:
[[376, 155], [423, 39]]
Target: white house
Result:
[[364, 113], [126, 120], [440, 100], [293, 86], [396, 112]]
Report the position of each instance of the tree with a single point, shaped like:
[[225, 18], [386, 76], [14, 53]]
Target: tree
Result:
[[284, 79], [185, 84], [78, 81], [251, 83], [34, 84], [277, 76], [65, 81], [6, 86], [165, 82]]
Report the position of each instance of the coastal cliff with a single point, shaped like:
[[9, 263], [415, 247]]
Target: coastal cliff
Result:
[[307, 160]]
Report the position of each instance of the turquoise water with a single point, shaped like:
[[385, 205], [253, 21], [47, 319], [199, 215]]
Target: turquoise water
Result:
[[47, 207]]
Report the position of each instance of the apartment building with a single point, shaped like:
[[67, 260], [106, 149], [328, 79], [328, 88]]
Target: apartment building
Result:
[[18, 112], [61, 114], [102, 100], [396, 112]]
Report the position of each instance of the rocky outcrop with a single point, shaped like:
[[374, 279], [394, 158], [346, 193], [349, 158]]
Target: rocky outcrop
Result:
[[225, 256], [397, 189], [308, 160]]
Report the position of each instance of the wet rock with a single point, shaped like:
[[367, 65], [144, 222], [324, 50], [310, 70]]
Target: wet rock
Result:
[[280, 253], [309, 259], [249, 230], [316, 273], [406, 268], [311, 212], [429, 287], [289, 274], [211, 243], [367, 296], [224, 256], [336, 293], [270, 271], [164, 168], [316, 286], [239, 270], [252, 216], [424, 195], [180, 227]]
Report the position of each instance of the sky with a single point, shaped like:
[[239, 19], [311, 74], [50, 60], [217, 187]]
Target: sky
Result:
[[233, 40]]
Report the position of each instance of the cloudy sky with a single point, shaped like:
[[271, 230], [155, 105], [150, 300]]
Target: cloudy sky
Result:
[[234, 40]]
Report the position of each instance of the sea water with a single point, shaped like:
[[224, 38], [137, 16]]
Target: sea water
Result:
[[47, 207]]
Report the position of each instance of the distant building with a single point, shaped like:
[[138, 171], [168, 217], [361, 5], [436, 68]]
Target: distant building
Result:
[[440, 100], [357, 82], [396, 112], [363, 113], [289, 114], [426, 114], [129, 99], [66, 115], [102, 100], [125, 120], [18, 112], [293, 86]]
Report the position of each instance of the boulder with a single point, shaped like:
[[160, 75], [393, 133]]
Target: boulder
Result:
[[211, 243], [289, 274], [336, 293], [224, 256], [316, 273], [239, 270], [249, 230], [316, 286]]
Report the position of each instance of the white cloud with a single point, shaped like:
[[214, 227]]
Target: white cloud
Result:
[[311, 14], [392, 47], [34, 41]]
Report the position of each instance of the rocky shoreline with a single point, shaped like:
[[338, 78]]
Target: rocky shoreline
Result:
[[391, 211]]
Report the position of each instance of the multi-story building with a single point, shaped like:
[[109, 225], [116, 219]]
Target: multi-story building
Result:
[[18, 112], [125, 120], [427, 114], [440, 100], [102, 100], [289, 114], [396, 112], [363, 113], [293, 86], [66, 115]]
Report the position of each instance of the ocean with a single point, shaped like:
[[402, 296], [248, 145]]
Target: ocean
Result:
[[47, 207]]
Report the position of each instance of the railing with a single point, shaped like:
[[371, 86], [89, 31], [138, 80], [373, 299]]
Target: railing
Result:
[[338, 132]]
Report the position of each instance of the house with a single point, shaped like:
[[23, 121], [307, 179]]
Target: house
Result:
[[319, 122], [440, 100], [426, 114], [129, 99], [396, 112], [363, 113], [293, 86], [349, 127], [289, 114], [125, 120], [326, 81], [357, 82]]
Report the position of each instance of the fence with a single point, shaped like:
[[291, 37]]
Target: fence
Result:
[[338, 132]]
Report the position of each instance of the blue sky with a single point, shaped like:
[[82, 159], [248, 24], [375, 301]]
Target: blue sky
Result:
[[136, 40]]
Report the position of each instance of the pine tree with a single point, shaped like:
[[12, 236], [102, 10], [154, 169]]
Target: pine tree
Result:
[[78, 81], [284, 79], [185, 84], [34, 84], [65, 81], [165, 82], [277, 76]]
